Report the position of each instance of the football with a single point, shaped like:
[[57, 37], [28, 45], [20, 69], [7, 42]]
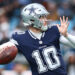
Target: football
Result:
[[8, 54]]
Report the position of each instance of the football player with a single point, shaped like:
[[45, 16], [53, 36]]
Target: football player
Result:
[[40, 44]]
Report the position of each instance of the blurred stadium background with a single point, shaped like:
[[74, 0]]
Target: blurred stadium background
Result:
[[10, 21]]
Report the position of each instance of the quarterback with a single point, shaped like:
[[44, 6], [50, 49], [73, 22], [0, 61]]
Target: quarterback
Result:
[[40, 44]]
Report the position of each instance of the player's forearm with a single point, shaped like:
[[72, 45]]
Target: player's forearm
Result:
[[65, 41], [71, 38]]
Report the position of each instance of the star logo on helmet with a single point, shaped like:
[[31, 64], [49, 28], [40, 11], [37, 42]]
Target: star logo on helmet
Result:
[[32, 10]]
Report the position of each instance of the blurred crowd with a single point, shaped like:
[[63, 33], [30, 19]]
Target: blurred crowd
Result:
[[10, 21]]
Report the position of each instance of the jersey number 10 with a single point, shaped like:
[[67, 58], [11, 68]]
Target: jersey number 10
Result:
[[50, 57]]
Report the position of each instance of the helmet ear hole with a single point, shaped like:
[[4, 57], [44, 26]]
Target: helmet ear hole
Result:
[[32, 20], [39, 10]]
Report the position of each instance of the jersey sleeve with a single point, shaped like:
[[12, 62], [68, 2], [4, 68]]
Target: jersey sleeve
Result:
[[15, 40]]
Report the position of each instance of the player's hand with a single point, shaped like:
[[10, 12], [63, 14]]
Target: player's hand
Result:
[[64, 26]]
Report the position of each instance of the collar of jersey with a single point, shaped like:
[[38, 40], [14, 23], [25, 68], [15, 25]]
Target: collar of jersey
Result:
[[34, 37]]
